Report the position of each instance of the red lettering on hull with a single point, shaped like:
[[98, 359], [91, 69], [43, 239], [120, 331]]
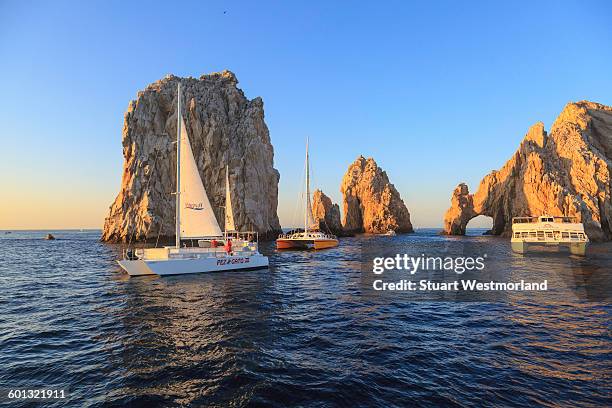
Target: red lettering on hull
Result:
[[232, 261]]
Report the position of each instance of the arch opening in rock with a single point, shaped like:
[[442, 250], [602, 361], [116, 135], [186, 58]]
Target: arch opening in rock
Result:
[[479, 225]]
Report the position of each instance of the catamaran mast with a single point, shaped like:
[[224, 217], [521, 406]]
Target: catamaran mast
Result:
[[230, 226], [178, 168], [308, 207]]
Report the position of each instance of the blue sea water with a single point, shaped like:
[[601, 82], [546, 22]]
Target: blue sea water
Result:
[[310, 331]]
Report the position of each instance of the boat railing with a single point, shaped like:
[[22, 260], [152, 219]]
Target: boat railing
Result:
[[250, 236], [187, 252], [524, 220], [550, 236], [311, 234], [559, 219]]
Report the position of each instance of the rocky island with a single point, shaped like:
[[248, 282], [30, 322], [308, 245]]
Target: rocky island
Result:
[[225, 128], [564, 172], [326, 214], [371, 203]]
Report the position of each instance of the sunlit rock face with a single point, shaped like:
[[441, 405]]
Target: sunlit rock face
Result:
[[461, 211], [371, 203], [326, 214], [564, 172], [224, 127]]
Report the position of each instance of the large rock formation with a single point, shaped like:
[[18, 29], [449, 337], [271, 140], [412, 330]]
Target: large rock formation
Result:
[[326, 214], [461, 211], [371, 202], [224, 127], [564, 172]]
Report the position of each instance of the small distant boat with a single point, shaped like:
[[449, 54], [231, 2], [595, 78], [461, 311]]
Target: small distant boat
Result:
[[390, 233], [548, 230], [49, 237], [310, 237], [195, 221]]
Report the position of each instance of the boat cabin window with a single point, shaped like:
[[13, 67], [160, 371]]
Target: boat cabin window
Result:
[[565, 235], [521, 220]]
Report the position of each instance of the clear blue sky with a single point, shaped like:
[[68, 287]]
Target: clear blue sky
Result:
[[436, 92]]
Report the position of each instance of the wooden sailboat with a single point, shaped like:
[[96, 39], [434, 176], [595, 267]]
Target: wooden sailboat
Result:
[[195, 221], [310, 237]]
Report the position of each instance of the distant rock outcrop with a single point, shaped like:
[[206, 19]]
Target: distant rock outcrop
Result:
[[326, 214], [564, 172], [461, 211], [371, 202], [224, 127]]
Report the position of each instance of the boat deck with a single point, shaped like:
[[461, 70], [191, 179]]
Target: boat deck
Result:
[[192, 252], [548, 230], [306, 240]]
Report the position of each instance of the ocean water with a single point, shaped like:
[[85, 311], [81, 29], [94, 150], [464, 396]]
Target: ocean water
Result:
[[310, 331]]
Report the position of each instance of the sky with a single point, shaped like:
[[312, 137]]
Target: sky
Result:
[[437, 92]]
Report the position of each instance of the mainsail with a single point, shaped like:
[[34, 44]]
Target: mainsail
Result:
[[197, 218], [229, 213]]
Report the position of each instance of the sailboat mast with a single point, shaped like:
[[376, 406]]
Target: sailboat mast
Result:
[[228, 203], [306, 217], [178, 168]]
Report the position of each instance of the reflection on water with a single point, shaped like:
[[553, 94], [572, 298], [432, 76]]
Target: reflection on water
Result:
[[309, 329]]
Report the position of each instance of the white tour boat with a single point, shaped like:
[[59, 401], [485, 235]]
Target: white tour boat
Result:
[[548, 230], [196, 222]]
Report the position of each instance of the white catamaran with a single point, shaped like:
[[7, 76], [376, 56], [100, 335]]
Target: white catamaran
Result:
[[550, 231], [196, 222]]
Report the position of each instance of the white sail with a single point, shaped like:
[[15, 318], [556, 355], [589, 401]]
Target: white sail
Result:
[[229, 213], [197, 218]]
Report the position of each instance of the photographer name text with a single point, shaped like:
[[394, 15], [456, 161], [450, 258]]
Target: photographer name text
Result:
[[465, 285]]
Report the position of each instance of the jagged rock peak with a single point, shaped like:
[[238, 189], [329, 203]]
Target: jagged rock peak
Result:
[[326, 214], [371, 203], [225, 75], [462, 206], [224, 127], [564, 172]]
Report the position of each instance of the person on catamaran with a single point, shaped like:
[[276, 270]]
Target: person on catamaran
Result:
[[214, 243], [228, 246]]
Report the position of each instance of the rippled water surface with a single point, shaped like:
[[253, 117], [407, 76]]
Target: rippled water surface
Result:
[[309, 331]]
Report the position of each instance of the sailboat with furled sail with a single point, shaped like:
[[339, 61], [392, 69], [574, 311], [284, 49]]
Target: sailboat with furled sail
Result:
[[229, 213], [196, 222], [311, 237]]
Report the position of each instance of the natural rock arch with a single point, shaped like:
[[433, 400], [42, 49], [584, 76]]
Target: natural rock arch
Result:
[[566, 172]]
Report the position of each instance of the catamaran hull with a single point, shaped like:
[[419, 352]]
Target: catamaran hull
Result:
[[575, 248], [167, 267], [306, 244]]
